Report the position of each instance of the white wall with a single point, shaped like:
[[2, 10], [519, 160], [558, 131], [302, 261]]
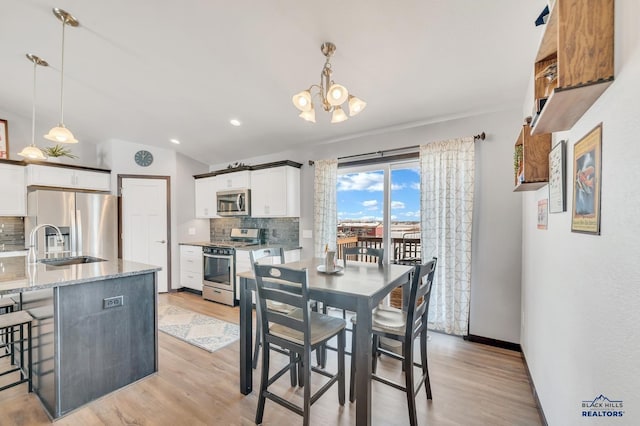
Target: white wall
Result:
[[581, 293], [118, 156], [496, 256]]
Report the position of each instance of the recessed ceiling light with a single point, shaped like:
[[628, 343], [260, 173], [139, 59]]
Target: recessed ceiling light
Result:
[[176, 141], [235, 122]]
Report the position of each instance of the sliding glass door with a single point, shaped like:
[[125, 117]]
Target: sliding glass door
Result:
[[379, 206]]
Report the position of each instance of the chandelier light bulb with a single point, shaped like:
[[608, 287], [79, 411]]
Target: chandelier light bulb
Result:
[[338, 115], [337, 94], [302, 100], [356, 105], [308, 115]]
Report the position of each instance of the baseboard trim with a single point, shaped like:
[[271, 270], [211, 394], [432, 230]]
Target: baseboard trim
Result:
[[189, 290], [493, 342], [543, 418]]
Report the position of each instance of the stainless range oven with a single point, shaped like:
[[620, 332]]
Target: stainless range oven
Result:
[[219, 274], [219, 281]]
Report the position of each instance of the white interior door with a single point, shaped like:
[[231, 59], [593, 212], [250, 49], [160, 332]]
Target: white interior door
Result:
[[144, 224]]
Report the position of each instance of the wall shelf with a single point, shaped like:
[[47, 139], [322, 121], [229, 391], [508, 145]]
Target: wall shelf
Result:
[[533, 167], [579, 40]]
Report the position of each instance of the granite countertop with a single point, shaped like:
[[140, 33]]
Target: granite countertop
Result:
[[17, 276], [286, 247]]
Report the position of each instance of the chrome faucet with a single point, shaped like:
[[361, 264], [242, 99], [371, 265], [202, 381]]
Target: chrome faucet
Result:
[[32, 257]]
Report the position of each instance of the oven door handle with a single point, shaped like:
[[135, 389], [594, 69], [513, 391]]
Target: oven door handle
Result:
[[240, 202], [218, 256]]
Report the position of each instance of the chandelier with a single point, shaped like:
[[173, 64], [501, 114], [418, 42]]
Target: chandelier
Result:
[[330, 94]]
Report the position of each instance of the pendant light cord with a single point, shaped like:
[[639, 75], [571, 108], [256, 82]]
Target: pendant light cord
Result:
[[33, 112], [64, 23]]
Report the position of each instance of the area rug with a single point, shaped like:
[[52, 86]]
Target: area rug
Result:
[[200, 330]]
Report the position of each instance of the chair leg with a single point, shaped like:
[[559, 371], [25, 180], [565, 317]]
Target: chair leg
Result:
[[374, 353], [306, 409], [341, 344], [264, 380], [30, 356], [408, 375], [301, 370], [293, 373], [258, 342], [425, 366], [352, 378]]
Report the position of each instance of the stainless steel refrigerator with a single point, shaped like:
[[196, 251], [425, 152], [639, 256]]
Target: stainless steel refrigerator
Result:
[[88, 222]]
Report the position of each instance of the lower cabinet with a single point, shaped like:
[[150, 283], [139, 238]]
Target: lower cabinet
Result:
[[191, 267]]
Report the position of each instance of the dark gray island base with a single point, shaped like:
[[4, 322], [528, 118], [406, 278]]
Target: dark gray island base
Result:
[[93, 334]]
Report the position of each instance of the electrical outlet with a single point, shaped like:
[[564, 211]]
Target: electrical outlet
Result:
[[112, 302]]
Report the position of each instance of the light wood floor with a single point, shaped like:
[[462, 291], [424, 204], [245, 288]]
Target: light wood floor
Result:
[[472, 384]]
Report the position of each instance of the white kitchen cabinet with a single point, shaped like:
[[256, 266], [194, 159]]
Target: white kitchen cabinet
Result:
[[235, 180], [206, 197], [275, 192], [12, 190], [64, 177], [191, 267]]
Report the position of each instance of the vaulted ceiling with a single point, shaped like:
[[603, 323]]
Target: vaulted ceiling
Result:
[[148, 71]]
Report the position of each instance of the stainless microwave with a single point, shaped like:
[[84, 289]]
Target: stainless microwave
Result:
[[235, 202]]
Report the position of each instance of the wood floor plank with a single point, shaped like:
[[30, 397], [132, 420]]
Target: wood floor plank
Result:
[[472, 384]]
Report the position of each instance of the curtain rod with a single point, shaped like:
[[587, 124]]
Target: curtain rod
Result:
[[481, 136]]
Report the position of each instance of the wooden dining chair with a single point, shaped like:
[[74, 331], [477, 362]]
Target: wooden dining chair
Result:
[[405, 327], [300, 332], [268, 255], [378, 254], [361, 252]]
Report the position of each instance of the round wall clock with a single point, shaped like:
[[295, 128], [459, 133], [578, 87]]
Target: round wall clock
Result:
[[143, 158]]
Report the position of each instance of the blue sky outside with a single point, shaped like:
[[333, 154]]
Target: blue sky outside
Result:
[[360, 196]]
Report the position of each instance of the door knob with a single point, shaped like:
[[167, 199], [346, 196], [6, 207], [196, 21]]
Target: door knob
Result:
[[161, 241]]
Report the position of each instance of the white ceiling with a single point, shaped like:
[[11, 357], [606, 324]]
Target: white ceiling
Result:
[[147, 71]]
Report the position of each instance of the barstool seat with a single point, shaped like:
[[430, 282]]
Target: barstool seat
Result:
[[15, 322]]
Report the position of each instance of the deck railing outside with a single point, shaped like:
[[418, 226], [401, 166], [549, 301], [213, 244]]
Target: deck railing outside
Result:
[[407, 247]]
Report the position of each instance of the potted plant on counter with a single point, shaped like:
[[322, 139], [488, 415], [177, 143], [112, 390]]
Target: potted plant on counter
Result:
[[55, 152]]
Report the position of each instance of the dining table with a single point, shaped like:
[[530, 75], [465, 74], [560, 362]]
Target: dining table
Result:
[[358, 287]]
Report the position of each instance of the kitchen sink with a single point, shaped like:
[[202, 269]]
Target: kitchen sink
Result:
[[65, 261]]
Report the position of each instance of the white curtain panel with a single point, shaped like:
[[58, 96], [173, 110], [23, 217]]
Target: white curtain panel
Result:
[[446, 206], [324, 204]]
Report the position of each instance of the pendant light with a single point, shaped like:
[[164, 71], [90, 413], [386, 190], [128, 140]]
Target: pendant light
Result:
[[60, 134], [32, 151]]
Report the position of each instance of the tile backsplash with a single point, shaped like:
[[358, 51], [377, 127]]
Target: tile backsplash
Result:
[[278, 231], [12, 230]]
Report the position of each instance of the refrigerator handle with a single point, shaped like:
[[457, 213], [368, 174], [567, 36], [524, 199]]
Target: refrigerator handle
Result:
[[79, 232]]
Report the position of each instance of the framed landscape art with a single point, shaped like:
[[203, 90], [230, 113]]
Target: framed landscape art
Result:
[[587, 183]]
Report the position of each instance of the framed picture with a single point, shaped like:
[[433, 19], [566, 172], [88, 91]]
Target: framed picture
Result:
[[558, 178], [542, 214], [587, 183], [4, 139]]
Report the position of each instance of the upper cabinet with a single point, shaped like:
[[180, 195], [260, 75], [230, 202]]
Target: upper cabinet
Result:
[[12, 190], [235, 180], [275, 189], [64, 177], [275, 192], [574, 65], [531, 160], [206, 197]]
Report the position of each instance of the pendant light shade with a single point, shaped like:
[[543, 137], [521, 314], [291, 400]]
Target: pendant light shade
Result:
[[356, 105], [338, 115], [60, 134], [32, 151], [331, 94]]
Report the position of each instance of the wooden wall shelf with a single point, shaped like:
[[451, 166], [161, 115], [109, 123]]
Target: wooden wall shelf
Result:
[[579, 39], [533, 172]]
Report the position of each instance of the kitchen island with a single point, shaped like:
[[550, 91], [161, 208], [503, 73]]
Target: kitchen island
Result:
[[95, 326]]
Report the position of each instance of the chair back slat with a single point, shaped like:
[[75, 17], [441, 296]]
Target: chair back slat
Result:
[[418, 309], [362, 251], [284, 285]]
